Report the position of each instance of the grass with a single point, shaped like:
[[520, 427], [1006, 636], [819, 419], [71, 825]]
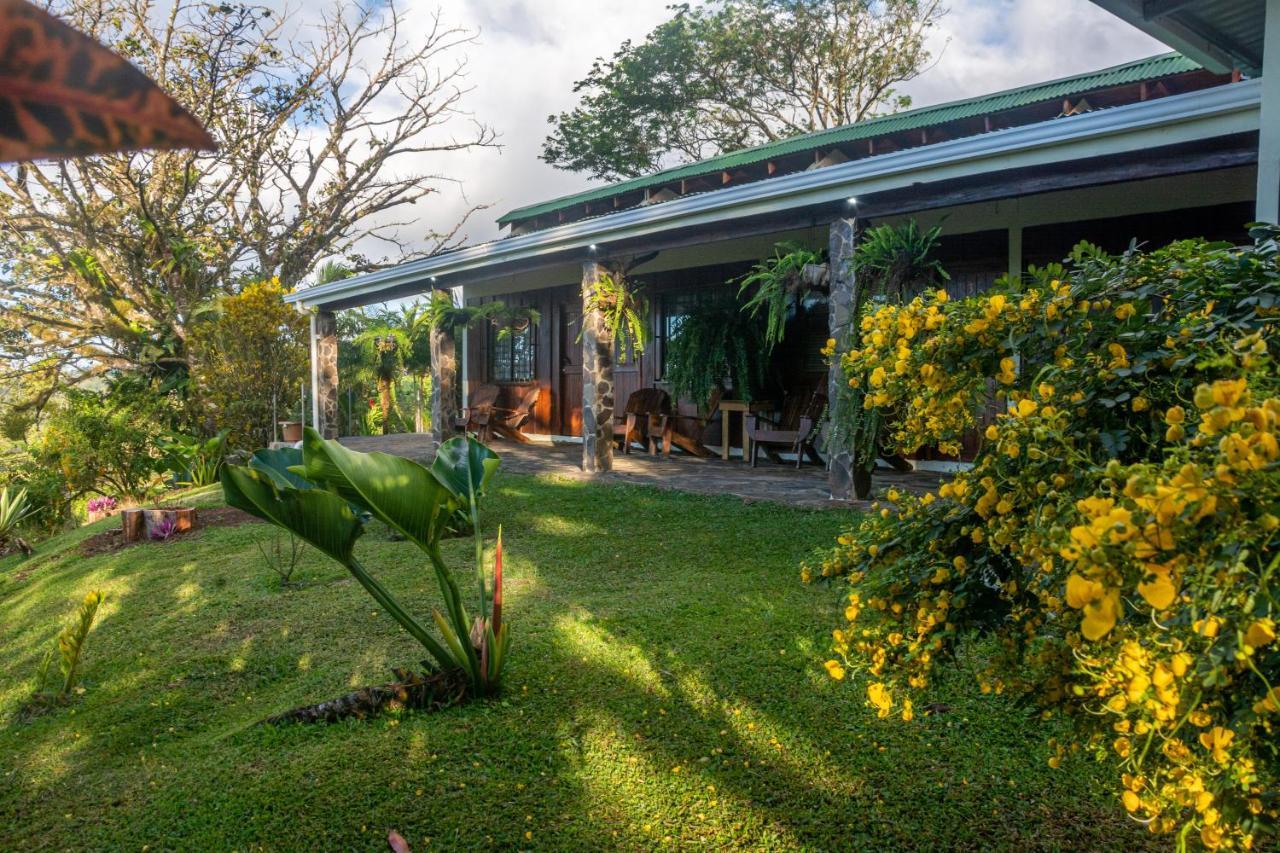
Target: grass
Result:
[[665, 687]]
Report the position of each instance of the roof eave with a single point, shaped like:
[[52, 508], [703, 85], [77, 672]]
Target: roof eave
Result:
[[1196, 115]]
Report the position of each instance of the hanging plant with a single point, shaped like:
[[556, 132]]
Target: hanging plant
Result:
[[712, 344], [442, 312], [897, 262], [776, 284], [625, 311]]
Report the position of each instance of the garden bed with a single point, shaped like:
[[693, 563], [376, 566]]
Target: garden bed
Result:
[[110, 541]]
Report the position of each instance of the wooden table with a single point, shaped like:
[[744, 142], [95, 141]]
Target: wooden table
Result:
[[727, 406]]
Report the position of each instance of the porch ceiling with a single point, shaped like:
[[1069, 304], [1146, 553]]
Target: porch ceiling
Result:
[[1219, 34], [1193, 132]]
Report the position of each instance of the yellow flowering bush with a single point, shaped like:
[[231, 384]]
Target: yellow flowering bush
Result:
[[1116, 533]]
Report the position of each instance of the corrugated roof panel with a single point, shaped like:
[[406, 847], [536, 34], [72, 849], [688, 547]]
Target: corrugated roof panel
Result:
[[1119, 75]]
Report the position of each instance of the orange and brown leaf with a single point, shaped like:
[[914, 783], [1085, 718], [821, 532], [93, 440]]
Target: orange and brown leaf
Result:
[[64, 95]]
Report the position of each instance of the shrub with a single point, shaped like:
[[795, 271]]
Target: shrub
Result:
[[106, 442], [1117, 531], [251, 352], [194, 461], [14, 509]]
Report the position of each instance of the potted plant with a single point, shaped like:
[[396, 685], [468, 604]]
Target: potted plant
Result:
[[791, 276], [101, 507]]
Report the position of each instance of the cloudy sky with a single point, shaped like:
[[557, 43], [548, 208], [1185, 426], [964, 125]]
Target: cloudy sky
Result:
[[530, 52]]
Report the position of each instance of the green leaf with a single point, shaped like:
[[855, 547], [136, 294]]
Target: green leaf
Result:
[[464, 467], [397, 491], [319, 518], [278, 464]]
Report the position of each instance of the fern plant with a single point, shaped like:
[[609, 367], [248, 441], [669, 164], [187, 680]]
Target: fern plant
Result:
[[897, 261], [625, 311], [713, 343], [443, 312], [69, 649], [776, 284]]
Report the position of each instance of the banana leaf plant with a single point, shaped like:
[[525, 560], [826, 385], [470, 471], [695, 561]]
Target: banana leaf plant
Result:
[[326, 500]]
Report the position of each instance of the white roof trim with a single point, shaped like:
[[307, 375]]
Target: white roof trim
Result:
[[1203, 114]]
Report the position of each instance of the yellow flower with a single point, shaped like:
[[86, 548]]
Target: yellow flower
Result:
[[1131, 801], [1260, 633], [1160, 591], [907, 713], [1216, 740], [834, 669], [1175, 415], [1100, 616], [1082, 591], [880, 698], [1124, 311]]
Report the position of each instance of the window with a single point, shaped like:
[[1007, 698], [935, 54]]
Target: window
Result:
[[678, 305], [511, 354]]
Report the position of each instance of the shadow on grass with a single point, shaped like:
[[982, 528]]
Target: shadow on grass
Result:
[[664, 684]]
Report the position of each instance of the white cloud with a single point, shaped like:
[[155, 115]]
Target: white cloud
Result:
[[530, 52]]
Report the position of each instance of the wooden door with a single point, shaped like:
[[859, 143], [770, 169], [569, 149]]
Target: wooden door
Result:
[[570, 349]]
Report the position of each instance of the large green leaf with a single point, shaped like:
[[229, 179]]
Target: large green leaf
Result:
[[397, 491], [276, 464], [464, 466], [319, 518]]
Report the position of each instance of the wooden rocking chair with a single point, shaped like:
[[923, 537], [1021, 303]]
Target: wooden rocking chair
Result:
[[646, 417], [796, 431], [690, 439], [476, 417], [507, 422]]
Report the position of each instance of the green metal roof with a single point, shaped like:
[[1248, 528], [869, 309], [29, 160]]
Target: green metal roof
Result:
[[1119, 75]]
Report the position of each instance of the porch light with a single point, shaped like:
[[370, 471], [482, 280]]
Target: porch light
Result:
[[851, 201]]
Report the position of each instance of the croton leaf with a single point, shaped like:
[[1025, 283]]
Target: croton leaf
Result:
[[64, 95]]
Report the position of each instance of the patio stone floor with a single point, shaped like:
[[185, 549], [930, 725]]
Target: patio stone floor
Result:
[[769, 482]]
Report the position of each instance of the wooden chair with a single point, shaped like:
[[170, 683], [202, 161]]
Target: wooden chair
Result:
[[696, 424], [646, 417], [507, 422], [476, 417], [795, 431]]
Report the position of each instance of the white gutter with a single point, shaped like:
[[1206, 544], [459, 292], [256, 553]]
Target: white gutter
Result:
[[1204, 114]]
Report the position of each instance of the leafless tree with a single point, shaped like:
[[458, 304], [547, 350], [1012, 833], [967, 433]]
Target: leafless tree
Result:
[[323, 126]]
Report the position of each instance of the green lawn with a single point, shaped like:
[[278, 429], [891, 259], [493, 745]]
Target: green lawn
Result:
[[665, 688]]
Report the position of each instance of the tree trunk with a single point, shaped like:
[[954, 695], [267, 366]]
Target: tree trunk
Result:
[[384, 399], [417, 404]]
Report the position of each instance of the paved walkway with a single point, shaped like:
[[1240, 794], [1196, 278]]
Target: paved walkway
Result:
[[806, 487]]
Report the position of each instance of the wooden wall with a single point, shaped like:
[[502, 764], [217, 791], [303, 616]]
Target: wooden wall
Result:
[[974, 260]]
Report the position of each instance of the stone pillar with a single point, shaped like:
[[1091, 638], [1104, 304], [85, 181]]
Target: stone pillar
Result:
[[597, 379], [1268, 198], [841, 464], [445, 404], [324, 373]]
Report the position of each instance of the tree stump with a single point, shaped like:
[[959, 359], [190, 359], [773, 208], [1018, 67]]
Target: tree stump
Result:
[[139, 524]]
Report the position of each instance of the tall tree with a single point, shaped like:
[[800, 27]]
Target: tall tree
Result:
[[736, 73], [329, 129]]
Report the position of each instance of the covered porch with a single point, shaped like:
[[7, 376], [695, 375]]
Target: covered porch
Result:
[[1151, 152], [783, 484]]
